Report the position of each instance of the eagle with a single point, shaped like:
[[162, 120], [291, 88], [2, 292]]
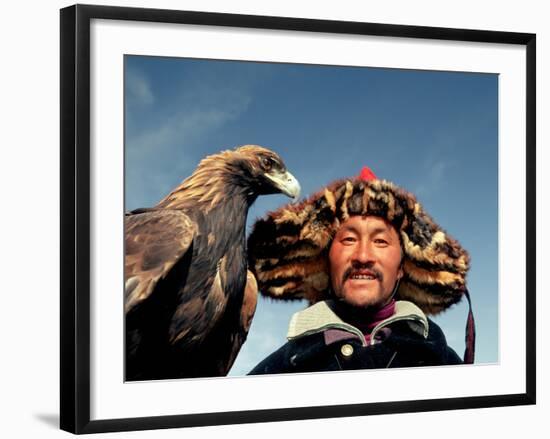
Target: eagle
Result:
[[189, 297]]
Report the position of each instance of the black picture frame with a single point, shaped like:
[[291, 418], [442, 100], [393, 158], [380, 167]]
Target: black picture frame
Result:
[[75, 217]]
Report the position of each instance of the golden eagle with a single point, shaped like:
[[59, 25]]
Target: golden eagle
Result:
[[189, 298]]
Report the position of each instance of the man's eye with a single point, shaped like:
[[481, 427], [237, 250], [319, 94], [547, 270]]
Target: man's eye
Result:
[[381, 241], [348, 239]]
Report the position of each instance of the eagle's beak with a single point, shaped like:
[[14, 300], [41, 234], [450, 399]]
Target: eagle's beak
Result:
[[286, 183]]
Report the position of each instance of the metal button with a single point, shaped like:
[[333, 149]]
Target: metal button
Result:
[[347, 350]]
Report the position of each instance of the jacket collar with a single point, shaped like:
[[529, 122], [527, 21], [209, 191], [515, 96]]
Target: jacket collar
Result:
[[321, 317]]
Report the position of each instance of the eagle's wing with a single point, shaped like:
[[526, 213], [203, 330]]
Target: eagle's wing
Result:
[[155, 240], [249, 303], [197, 314], [247, 313]]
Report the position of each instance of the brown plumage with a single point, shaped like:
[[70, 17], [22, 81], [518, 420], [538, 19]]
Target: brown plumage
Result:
[[189, 299]]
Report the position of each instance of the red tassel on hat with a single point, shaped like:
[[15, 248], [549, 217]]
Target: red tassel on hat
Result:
[[367, 175], [470, 339]]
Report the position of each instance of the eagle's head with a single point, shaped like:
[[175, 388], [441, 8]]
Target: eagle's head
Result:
[[262, 171], [248, 170]]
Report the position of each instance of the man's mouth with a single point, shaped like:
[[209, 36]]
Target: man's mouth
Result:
[[362, 275]]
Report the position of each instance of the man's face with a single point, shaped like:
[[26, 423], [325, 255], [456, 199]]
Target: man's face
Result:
[[365, 261]]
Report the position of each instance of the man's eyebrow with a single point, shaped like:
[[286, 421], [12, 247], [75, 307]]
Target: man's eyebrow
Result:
[[348, 227], [375, 231], [381, 229]]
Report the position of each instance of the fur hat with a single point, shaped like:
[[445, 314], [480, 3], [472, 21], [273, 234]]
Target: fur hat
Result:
[[288, 249]]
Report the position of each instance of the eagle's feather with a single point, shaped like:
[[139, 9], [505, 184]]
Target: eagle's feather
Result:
[[155, 241]]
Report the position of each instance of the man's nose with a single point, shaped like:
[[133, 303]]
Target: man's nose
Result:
[[363, 253]]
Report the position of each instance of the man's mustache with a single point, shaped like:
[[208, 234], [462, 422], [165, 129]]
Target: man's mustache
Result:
[[357, 269]]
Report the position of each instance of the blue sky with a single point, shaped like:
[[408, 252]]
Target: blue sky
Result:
[[433, 133]]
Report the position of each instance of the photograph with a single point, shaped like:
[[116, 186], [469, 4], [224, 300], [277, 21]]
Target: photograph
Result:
[[275, 219], [242, 184], [315, 205]]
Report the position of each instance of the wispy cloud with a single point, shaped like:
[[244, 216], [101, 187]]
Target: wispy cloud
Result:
[[186, 126], [151, 137], [433, 178], [138, 88]]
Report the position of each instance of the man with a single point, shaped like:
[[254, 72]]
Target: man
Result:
[[353, 249]]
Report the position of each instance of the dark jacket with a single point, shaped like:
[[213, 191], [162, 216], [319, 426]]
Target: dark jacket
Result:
[[320, 341]]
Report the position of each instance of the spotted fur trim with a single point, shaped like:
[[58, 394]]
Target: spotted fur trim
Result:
[[288, 248]]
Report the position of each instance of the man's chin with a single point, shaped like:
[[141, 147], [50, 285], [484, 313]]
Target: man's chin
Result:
[[361, 299], [362, 304]]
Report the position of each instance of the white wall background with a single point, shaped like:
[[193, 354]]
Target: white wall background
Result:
[[29, 216]]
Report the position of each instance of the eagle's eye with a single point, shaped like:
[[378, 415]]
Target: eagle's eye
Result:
[[267, 163]]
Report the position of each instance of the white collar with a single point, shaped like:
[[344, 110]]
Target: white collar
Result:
[[320, 317]]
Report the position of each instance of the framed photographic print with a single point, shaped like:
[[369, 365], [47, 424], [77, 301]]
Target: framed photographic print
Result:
[[165, 113]]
